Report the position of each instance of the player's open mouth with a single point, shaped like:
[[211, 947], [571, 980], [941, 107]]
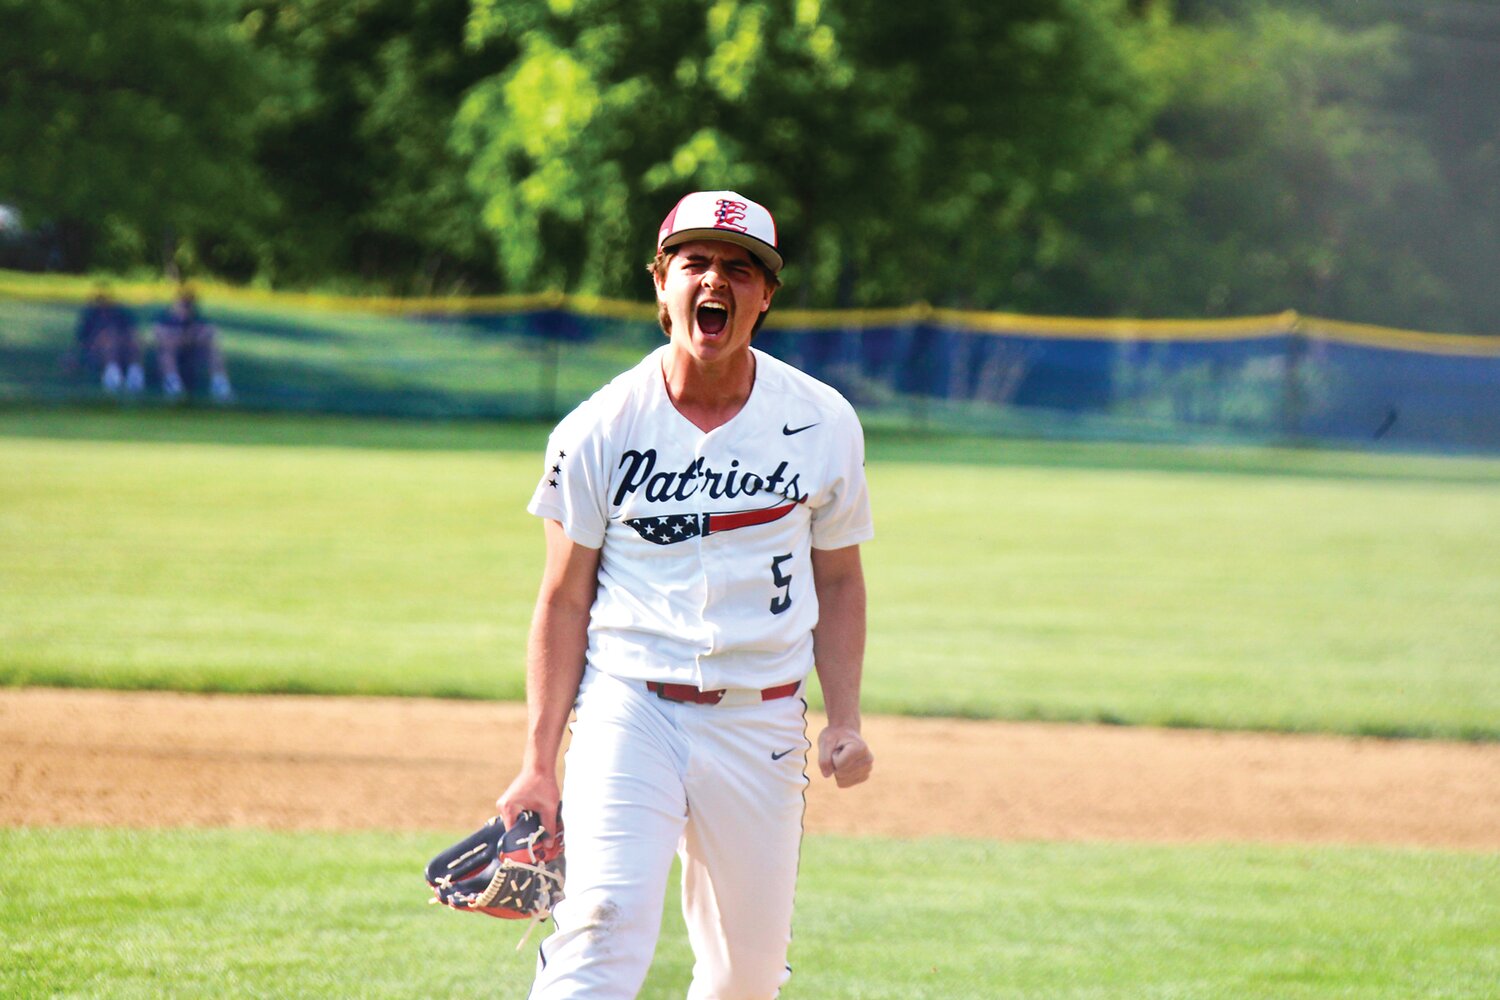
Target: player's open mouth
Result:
[[712, 317]]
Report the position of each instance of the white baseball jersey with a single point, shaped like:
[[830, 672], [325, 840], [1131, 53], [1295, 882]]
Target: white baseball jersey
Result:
[[705, 576]]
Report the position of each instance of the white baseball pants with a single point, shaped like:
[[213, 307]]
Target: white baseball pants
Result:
[[721, 785]]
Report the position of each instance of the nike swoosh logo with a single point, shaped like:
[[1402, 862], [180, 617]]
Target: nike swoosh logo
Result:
[[789, 431], [778, 756]]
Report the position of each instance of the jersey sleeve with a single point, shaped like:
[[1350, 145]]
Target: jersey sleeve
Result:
[[574, 481], [843, 517]]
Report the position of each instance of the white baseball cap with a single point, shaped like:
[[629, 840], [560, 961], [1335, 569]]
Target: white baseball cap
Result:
[[722, 215]]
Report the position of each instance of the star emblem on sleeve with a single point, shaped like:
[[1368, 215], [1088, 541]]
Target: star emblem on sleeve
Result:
[[556, 474]]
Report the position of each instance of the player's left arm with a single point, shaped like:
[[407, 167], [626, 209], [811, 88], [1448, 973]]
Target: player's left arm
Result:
[[839, 656]]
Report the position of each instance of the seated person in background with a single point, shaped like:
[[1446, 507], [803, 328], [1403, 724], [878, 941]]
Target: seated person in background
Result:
[[185, 337], [107, 344]]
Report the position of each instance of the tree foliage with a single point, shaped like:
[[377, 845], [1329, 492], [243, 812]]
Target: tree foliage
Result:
[[1146, 157], [367, 185], [1268, 179], [126, 122], [885, 136]]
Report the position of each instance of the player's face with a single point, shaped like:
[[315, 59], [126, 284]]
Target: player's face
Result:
[[713, 292]]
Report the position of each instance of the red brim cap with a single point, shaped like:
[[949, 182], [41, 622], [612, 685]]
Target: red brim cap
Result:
[[722, 215]]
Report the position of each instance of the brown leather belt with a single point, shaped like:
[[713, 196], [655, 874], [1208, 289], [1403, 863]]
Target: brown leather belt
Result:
[[691, 695]]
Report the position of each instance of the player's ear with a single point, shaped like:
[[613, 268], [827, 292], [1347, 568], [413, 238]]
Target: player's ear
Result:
[[658, 271], [765, 302]]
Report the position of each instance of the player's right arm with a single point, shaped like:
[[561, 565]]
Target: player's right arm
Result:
[[555, 654]]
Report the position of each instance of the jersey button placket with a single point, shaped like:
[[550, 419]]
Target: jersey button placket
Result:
[[702, 505]]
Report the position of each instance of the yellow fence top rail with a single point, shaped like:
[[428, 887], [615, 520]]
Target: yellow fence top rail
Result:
[[74, 289], [1364, 335]]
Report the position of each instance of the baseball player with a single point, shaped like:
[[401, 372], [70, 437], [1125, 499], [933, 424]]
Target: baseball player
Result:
[[703, 514]]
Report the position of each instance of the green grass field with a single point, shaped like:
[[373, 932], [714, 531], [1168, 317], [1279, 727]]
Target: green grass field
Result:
[[1256, 589], [230, 913], [1218, 587]]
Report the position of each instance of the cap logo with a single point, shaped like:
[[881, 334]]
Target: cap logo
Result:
[[730, 214]]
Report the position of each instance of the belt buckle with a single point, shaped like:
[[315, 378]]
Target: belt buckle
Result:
[[684, 694]]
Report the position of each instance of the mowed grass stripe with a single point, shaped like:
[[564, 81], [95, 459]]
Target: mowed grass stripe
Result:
[[1178, 598], [1238, 589], [213, 913], [208, 567]]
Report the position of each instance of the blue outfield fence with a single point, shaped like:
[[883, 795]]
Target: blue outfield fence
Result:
[[1280, 378]]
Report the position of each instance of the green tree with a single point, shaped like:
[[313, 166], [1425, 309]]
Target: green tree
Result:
[[1270, 178], [1451, 101], [128, 125], [899, 146], [367, 185]]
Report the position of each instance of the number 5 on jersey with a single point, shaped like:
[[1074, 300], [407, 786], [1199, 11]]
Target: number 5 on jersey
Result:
[[783, 600]]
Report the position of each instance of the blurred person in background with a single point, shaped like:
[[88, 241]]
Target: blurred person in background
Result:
[[107, 344], [187, 347]]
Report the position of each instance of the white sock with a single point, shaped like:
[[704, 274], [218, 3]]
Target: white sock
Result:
[[112, 378], [135, 379], [221, 389], [171, 384]]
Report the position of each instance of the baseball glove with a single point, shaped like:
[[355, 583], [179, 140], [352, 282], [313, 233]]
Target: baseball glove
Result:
[[514, 874]]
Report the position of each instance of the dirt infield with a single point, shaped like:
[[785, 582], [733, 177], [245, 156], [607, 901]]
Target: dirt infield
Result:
[[147, 759]]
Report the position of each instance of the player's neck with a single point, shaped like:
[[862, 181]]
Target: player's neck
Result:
[[709, 395]]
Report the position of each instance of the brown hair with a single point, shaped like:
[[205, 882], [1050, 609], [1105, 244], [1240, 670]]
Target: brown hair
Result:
[[658, 271]]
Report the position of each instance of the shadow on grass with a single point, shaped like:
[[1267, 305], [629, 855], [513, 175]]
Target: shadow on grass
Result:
[[1218, 458], [187, 682], [87, 415], [1103, 716], [151, 420]]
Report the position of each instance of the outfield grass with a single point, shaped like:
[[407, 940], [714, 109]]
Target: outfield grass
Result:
[[1254, 589], [234, 913]]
